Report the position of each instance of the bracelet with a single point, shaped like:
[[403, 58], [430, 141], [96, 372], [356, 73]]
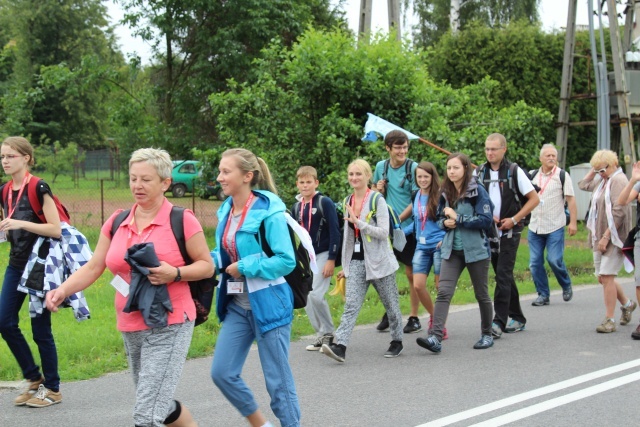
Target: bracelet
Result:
[[513, 218], [606, 237]]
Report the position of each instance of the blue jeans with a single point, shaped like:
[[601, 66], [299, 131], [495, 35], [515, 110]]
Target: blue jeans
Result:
[[238, 332], [554, 243], [424, 259], [10, 302]]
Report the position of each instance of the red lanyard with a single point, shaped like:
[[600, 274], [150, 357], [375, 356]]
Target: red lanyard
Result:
[[302, 213], [542, 187], [230, 246], [10, 200], [353, 202], [423, 215]]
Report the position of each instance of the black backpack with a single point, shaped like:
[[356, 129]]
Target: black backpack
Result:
[[534, 172], [300, 279], [512, 181], [201, 290], [339, 212]]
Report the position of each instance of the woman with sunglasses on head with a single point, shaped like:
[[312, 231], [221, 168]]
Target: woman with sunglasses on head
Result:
[[608, 223], [22, 227]]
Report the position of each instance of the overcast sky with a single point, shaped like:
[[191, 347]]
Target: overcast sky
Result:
[[552, 12]]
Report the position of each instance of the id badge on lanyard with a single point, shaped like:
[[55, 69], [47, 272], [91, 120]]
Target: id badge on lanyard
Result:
[[235, 286], [357, 247]]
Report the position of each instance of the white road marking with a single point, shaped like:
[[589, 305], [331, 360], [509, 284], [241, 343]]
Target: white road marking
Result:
[[499, 404], [558, 401]]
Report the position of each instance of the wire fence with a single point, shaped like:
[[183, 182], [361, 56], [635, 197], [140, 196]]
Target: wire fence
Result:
[[98, 185]]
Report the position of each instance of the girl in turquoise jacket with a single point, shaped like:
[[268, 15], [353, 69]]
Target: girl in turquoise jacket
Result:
[[254, 301]]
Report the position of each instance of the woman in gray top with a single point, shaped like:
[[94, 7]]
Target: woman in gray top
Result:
[[367, 257]]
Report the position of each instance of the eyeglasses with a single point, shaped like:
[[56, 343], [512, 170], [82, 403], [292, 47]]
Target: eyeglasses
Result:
[[9, 156], [488, 149], [603, 170]]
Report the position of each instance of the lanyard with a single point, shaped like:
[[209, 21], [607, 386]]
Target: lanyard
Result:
[[353, 202], [10, 200], [543, 186], [130, 236], [423, 213], [302, 213], [230, 246]]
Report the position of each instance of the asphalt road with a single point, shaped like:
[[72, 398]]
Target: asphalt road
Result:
[[558, 372]]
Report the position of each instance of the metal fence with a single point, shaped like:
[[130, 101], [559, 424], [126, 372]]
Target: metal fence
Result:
[[98, 186]]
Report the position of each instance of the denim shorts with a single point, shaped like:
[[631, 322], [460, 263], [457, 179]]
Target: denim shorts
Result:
[[423, 259]]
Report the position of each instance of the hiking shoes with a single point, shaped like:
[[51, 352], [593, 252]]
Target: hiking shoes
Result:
[[413, 325], [626, 312], [486, 341], [514, 326], [607, 326], [29, 390], [636, 334], [567, 294], [496, 331], [540, 301], [44, 397], [335, 351], [317, 345], [431, 343], [384, 323], [394, 349]]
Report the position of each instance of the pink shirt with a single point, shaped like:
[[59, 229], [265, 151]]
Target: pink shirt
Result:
[[159, 232]]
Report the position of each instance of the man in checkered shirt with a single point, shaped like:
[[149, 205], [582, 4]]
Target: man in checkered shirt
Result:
[[546, 229]]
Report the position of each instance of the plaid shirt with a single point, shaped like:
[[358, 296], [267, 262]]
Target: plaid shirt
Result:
[[549, 215]]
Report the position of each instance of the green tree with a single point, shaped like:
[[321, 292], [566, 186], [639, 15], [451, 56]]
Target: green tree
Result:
[[434, 16], [57, 159], [47, 33], [199, 44], [528, 64], [309, 105]]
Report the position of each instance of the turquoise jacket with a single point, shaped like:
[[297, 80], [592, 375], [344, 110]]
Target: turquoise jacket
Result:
[[270, 296], [475, 216]]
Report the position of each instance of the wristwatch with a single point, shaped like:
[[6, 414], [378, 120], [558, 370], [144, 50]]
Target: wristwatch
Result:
[[513, 218], [178, 277]]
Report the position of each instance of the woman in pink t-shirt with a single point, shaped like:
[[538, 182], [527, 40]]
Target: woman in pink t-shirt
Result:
[[157, 373]]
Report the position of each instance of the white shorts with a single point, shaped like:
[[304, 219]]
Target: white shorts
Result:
[[609, 263]]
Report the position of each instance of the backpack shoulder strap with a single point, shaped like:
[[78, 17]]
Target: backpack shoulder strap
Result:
[[177, 226], [5, 192], [513, 180], [385, 169], [32, 193], [320, 209], [118, 220], [408, 165], [562, 178], [295, 211], [373, 202]]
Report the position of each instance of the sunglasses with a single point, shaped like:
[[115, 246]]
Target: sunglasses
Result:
[[603, 170]]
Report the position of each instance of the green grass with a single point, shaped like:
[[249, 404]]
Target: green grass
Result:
[[94, 347]]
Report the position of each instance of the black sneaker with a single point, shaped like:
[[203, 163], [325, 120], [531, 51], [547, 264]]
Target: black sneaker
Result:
[[335, 351], [384, 323], [394, 349], [431, 343], [413, 325]]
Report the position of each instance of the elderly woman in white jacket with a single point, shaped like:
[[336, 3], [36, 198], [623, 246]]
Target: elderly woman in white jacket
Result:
[[367, 257]]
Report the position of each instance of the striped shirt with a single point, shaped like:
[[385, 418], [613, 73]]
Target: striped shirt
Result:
[[549, 215]]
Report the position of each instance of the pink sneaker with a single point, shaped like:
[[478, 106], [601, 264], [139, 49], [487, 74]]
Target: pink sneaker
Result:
[[446, 335]]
